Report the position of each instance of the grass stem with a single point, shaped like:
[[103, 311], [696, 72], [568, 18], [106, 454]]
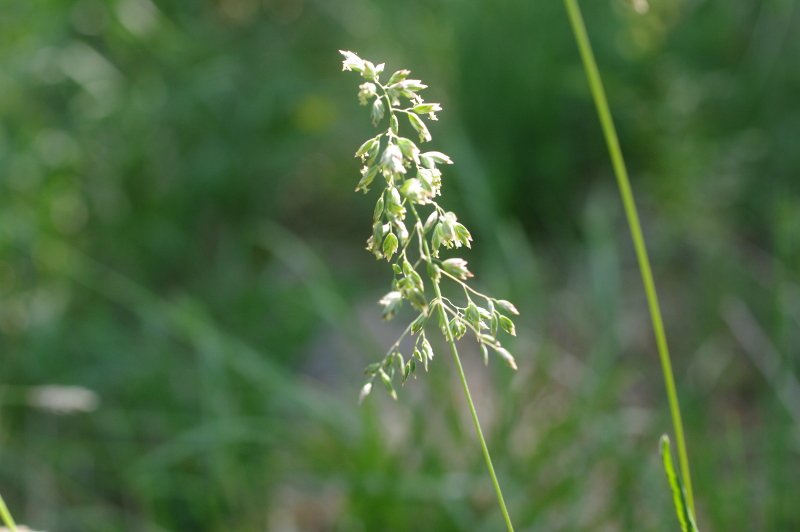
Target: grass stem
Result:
[[486, 456], [618, 162]]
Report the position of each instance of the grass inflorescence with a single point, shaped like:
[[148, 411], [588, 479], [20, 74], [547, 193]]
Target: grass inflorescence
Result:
[[411, 230]]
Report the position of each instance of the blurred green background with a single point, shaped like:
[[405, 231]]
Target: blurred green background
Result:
[[179, 237]]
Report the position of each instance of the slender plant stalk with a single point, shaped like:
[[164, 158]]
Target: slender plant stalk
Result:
[[610, 133], [475, 421], [473, 412], [457, 360], [6, 515]]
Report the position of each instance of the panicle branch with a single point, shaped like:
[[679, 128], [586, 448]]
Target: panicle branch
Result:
[[411, 182]]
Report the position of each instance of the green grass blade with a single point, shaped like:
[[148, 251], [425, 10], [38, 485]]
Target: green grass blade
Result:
[[6, 515], [685, 516]]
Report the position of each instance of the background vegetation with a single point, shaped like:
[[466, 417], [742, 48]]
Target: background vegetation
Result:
[[179, 235]]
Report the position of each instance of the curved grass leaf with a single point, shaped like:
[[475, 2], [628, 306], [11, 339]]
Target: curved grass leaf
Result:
[[685, 516], [6, 516]]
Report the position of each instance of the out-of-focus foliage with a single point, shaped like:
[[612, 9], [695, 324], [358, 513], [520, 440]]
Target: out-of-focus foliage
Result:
[[178, 234]]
